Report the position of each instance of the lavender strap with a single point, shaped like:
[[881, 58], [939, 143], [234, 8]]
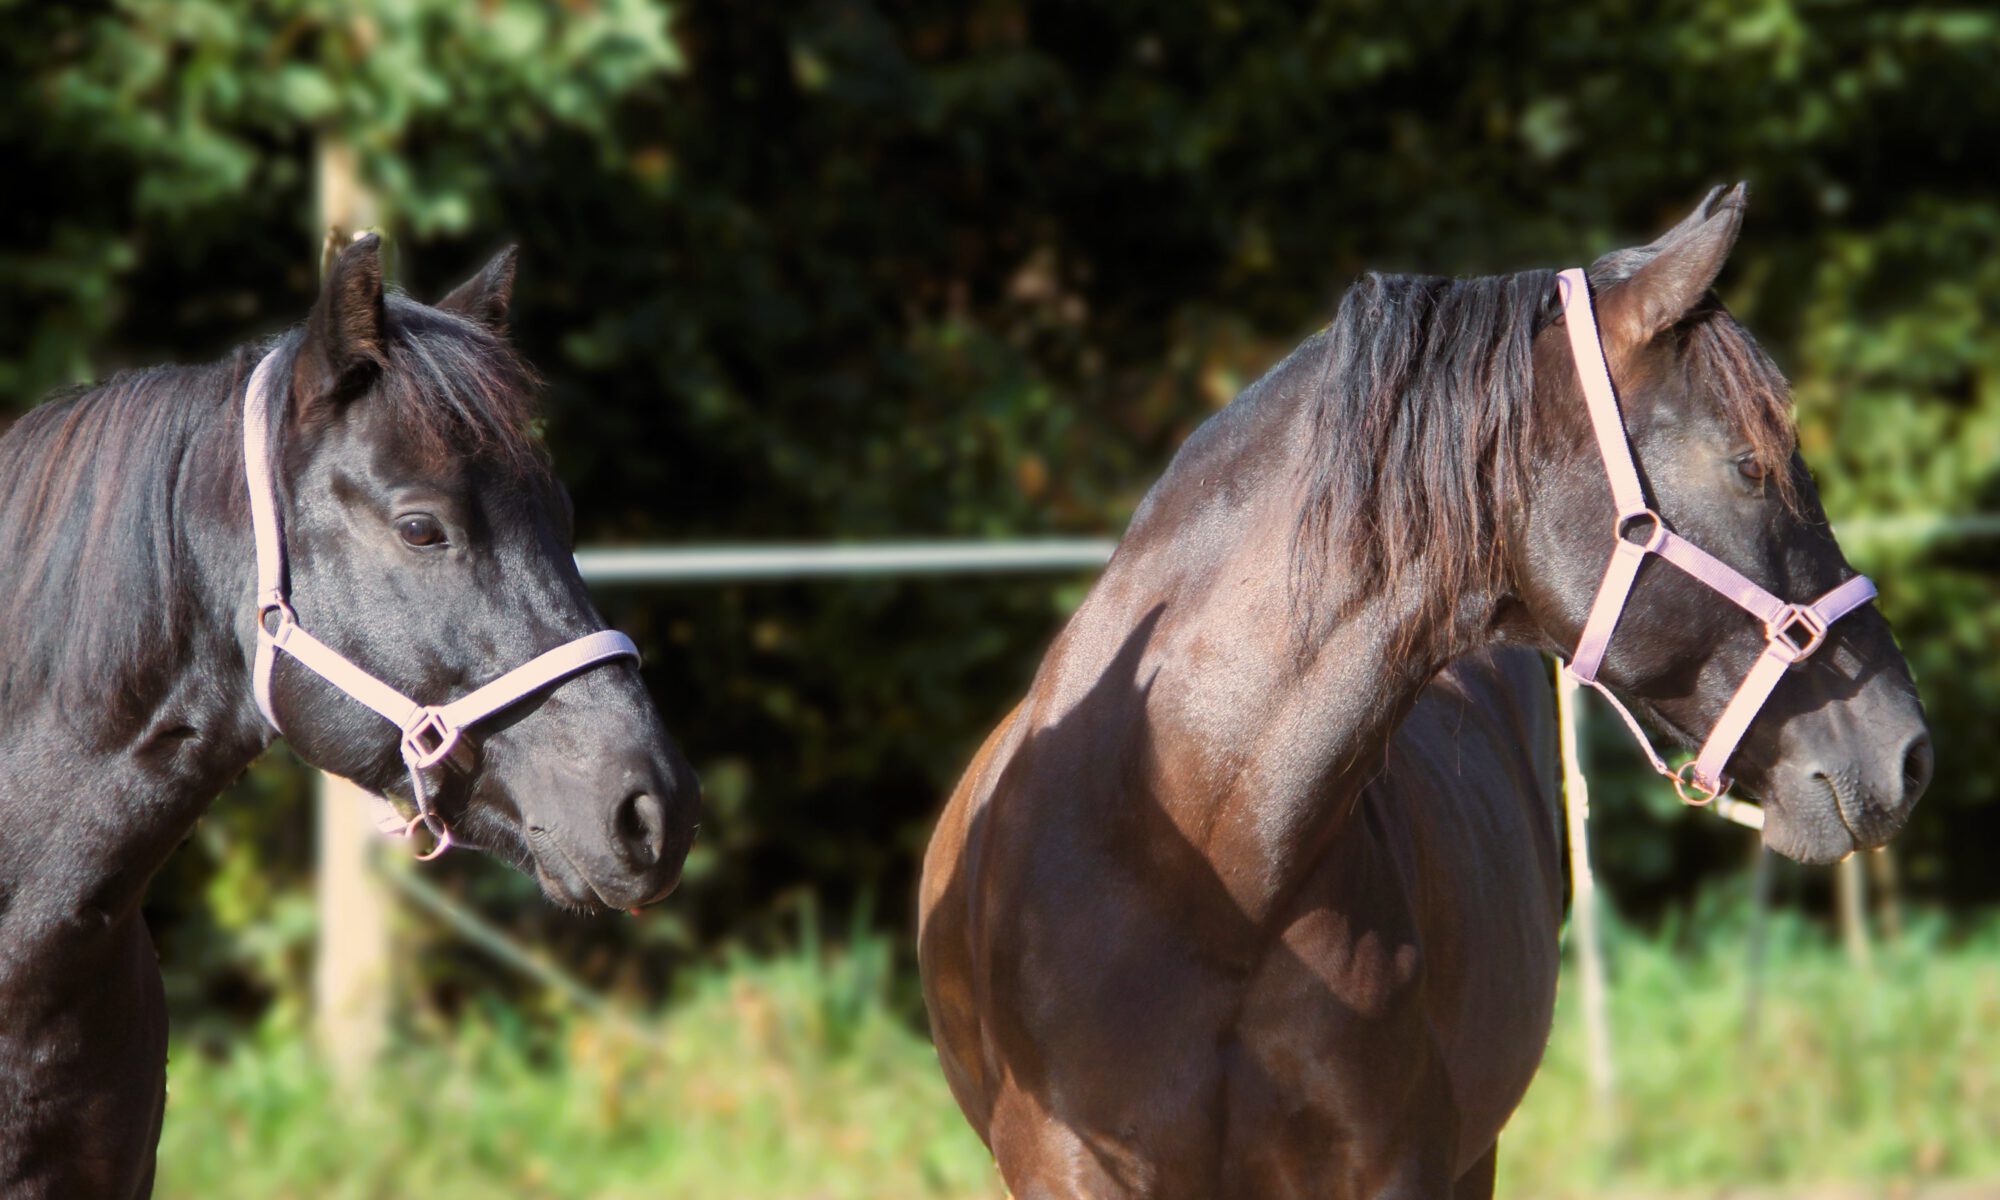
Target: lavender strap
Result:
[[431, 736], [1792, 631]]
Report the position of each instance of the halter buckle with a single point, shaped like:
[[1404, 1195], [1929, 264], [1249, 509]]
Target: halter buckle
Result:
[[1627, 522], [1685, 780], [1785, 632], [430, 740]]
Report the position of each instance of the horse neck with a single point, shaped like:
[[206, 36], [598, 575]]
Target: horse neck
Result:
[[1264, 726], [1329, 717], [126, 705]]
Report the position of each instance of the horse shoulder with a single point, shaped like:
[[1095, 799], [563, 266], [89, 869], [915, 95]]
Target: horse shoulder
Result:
[[944, 924], [1471, 776]]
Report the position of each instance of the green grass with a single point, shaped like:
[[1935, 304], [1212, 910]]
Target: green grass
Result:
[[793, 1077], [778, 1078], [1888, 1077]]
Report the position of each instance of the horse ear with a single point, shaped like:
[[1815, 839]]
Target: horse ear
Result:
[[1680, 267], [347, 328], [484, 297]]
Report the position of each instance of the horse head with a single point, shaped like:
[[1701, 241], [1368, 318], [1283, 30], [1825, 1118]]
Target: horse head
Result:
[[425, 538], [1722, 518]]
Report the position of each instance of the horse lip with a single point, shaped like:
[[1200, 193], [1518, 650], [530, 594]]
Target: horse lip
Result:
[[1829, 785], [1865, 829], [569, 876]]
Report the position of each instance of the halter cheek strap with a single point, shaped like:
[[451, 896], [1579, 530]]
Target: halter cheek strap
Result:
[[1792, 631], [431, 735]]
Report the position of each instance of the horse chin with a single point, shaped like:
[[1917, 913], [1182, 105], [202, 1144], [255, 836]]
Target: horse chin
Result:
[[1807, 828]]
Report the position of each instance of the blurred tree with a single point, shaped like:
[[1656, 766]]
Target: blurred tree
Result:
[[163, 146], [863, 270]]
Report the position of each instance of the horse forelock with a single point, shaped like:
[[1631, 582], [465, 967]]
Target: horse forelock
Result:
[[457, 390], [1724, 362]]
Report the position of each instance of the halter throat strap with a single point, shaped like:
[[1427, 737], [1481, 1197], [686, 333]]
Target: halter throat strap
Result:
[[1792, 631], [432, 735]]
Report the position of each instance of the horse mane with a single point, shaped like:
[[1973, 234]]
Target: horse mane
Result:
[[1423, 427], [88, 482], [1420, 428], [93, 543]]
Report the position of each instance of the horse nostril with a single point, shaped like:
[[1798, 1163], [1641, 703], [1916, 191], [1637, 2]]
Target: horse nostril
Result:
[[642, 829], [1918, 763]]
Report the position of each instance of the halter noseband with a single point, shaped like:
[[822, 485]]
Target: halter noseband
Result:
[[431, 734], [1792, 631]]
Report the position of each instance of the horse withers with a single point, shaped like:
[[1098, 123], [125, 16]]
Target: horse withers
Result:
[[1256, 893], [418, 537]]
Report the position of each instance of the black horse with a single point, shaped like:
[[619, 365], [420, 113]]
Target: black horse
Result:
[[1256, 893], [428, 542]]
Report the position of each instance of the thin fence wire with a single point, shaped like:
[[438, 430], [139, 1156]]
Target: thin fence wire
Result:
[[629, 566]]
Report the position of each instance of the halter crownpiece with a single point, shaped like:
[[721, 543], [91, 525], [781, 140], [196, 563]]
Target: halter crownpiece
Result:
[[1792, 631], [432, 736]]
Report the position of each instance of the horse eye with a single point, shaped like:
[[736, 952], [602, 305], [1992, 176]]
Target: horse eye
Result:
[[1752, 469], [420, 531]]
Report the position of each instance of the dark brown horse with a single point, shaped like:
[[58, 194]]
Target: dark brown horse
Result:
[[426, 540], [1246, 898]]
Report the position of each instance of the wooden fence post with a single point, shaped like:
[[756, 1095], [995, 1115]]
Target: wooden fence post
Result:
[[1583, 893], [1760, 920], [1850, 890], [1888, 892], [352, 960]]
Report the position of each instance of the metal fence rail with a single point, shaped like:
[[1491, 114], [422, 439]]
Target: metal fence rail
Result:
[[628, 566], [610, 566], [354, 943]]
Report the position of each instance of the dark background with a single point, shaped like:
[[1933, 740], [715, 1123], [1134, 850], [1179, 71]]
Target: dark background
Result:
[[844, 271]]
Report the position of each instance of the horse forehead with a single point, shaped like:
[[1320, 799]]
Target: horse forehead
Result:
[[1661, 393], [369, 443]]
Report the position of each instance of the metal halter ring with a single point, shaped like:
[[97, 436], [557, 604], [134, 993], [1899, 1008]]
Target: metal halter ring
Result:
[[429, 741], [279, 605], [1684, 779], [441, 834], [1784, 641], [1625, 522]]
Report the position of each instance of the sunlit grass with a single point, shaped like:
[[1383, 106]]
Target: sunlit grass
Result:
[[795, 1077], [778, 1078], [1888, 1076]]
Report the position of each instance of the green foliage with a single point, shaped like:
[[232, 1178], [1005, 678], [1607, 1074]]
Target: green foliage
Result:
[[1885, 1078], [185, 130], [848, 270], [1912, 311]]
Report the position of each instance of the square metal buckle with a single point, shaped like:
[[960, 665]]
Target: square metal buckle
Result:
[[430, 741], [1796, 633]]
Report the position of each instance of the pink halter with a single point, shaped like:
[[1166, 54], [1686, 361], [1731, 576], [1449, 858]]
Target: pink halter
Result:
[[1792, 631], [431, 734]]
